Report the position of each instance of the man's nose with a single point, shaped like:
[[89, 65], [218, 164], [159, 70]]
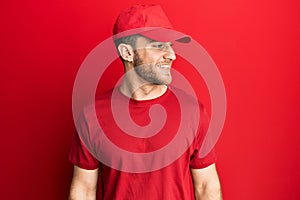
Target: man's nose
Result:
[[169, 53]]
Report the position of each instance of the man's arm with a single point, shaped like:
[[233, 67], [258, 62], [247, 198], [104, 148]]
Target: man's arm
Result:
[[206, 183], [84, 184]]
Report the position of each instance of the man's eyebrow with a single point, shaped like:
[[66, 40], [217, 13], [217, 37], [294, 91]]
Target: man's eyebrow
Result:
[[155, 41], [150, 40]]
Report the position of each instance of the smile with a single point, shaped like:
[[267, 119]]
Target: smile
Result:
[[164, 66]]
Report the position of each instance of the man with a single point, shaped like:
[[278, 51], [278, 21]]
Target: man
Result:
[[147, 60]]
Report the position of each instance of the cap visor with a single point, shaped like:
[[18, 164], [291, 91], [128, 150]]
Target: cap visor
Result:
[[166, 35], [157, 34]]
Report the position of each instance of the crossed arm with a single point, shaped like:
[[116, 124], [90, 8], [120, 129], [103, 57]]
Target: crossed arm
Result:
[[206, 183]]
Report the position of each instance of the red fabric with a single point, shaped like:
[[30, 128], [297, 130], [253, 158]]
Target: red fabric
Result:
[[140, 16], [149, 21], [171, 182]]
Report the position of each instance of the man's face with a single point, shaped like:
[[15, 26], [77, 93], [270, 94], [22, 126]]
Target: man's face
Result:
[[153, 60]]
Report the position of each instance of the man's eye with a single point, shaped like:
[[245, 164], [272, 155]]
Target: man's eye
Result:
[[160, 46]]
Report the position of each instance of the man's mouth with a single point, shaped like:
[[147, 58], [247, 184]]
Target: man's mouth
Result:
[[162, 66]]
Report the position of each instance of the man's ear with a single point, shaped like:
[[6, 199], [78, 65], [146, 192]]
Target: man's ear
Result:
[[126, 52]]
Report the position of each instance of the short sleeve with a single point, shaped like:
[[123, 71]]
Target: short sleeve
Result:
[[80, 156], [195, 161]]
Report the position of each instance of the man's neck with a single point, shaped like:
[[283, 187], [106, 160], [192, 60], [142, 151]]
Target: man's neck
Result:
[[145, 92]]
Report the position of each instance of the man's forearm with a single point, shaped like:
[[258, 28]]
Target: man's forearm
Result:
[[80, 193], [82, 196], [206, 182], [208, 193], [84, 184]]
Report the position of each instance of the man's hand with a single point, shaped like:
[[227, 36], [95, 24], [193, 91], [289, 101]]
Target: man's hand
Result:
[[84, 184], [206, 183]]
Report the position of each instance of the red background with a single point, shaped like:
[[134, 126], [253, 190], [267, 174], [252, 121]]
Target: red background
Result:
[[255, 44]]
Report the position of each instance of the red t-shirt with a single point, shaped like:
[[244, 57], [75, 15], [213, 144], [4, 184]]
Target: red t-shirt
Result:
[[172, 181]]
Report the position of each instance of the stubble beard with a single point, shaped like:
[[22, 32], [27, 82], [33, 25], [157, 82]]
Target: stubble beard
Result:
[[148, 73]]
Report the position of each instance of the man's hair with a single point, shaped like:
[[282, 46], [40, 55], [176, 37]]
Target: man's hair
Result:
[[130, 40]]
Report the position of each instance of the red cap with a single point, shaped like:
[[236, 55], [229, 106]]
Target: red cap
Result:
[[149, 21]]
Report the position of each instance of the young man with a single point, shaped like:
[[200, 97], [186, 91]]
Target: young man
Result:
[[147, 62]]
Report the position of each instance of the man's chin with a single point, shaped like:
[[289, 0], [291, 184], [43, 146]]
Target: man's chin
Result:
[[164, 82]]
